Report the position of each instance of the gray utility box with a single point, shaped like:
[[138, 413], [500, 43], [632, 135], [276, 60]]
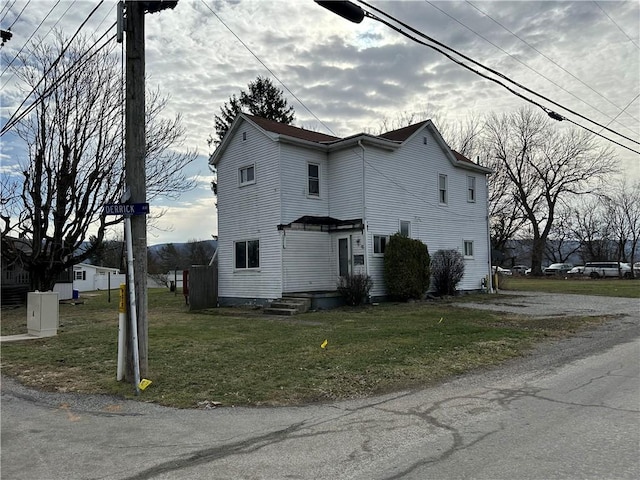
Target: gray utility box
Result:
[[42, 314]]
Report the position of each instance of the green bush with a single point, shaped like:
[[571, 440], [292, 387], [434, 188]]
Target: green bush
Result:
[[406, 267], [355, 288], [447, 268]]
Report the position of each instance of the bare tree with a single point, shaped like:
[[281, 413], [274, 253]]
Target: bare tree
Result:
[[74, 147], [544, 166], [622, 209]]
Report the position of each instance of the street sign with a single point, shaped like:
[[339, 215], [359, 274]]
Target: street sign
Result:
[[125, 209]]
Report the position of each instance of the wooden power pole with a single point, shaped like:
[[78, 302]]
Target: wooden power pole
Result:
[[135, 157], [135, 172]]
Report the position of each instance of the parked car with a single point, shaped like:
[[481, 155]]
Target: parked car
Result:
[[636, 269], [558, 268], [500, 270], [607, 269], [519, 269], [578, 270]]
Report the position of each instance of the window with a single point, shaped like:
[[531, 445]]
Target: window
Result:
[[247, 254], [80, 275], [247, 175], [468, 249], [471, 189], [244, 136], [442, 189], [313, 172], [405, 228], [379, 244]]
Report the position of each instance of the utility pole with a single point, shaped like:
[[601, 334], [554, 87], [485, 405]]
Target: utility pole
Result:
[[132, 19], [135, 172]]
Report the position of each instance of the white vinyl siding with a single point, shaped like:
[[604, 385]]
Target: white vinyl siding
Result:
[[249, 214], [414, 197], [307, 261], [296, 201]]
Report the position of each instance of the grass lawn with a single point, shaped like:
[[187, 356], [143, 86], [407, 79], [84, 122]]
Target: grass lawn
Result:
[[242, 357]]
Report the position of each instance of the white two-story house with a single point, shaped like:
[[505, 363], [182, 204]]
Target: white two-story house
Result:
[[298, 209]]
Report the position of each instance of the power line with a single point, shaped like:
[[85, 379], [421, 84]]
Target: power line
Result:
[[28, 40], [265, 66], [551, 113], [55, 62], [546, 57], [76, 66], [614, 22], [18, 17], [9, 7], [527, 66]]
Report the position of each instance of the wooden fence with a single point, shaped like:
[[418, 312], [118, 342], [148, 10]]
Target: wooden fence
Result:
[[203, 286]]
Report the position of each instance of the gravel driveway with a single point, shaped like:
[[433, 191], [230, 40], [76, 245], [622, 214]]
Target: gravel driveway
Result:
[[538, 304]]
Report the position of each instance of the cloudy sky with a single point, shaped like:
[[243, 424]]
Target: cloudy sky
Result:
[[344, 78]]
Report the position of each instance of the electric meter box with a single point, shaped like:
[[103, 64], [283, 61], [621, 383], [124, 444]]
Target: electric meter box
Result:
[[42, 314]]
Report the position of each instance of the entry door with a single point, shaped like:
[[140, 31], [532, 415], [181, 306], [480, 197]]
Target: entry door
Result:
[[344, 265]]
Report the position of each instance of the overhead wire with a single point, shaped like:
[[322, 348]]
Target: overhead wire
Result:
[[527, 66], [19, 15], [28, 40], [10, 123], [79, 64], [353, 150], [552, 114], [549, 112], [546, 57], [9, 6], [263, 64], [614, 22]]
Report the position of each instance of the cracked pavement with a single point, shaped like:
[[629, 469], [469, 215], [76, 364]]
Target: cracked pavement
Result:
[[569, 410]]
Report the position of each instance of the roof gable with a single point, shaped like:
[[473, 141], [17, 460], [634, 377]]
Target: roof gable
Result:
[[390, 140]]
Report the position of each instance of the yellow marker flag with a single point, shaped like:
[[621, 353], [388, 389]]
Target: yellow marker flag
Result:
[[441, 318], [324, 344], [144, 383]]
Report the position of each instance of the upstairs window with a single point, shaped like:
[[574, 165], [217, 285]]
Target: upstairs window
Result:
[[471, 189], [247, 175], [313, 175], [247, 254], [442, 189], [468, 249]]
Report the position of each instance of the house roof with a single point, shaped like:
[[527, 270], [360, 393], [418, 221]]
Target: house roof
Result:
[[389, 140], [291, 131], [401, 134]]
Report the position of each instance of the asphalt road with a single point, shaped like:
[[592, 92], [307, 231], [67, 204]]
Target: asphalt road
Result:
[[570, 410]]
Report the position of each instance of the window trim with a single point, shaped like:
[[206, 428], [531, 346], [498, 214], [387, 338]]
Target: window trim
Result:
[[246, 253], [309, 179], [243, 168], [465, 251], [471, 189], [386, 241], [443, 192], [400, 221]]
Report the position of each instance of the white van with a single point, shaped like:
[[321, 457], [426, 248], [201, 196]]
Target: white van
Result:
[[607, 269]]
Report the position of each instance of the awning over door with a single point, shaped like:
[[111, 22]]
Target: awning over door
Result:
[[323, 224]]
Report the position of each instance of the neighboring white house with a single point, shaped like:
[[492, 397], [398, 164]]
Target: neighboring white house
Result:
[[87, 278], [298, 209]]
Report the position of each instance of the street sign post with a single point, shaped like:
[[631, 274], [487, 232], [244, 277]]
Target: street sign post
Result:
[[125, 209]]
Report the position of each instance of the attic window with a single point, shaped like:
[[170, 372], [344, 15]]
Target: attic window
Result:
[[244, 136], [424, 140]]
